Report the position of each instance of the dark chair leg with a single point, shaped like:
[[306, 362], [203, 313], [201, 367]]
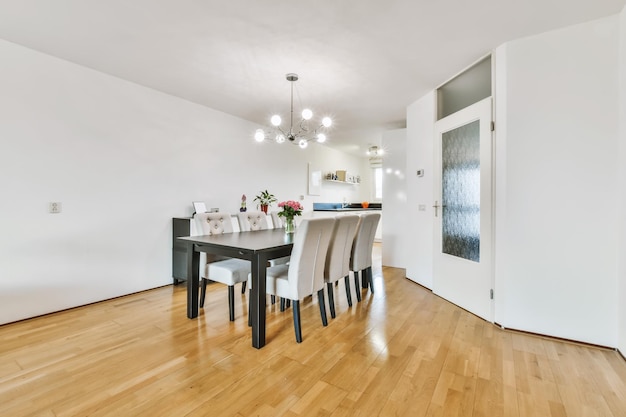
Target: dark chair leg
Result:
[[331, 299], [282, 304], [296, 320], [243, 287], [273, 299], [363, 279], [249, 307], [203, 292], [288, 303], [357, 289], [320, 300], [346, 280], [231, 302], [370, 278]]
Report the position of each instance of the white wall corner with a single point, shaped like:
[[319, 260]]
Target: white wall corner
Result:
[[556, 248], [622, 186], [499, 191], [419, 156], [395, 199]]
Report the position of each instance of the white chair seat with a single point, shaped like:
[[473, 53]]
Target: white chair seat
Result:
[[277, 280], [279, 261], [228, 271]]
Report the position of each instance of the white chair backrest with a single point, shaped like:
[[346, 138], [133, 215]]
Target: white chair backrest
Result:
[[308, 256], [252, 220], [277, 221], [361, 256], [213, 223], [340, 248]]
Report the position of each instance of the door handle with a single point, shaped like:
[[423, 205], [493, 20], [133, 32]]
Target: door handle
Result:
[[437, 206]]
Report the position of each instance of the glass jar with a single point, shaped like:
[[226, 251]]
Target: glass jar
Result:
[[290, 225]]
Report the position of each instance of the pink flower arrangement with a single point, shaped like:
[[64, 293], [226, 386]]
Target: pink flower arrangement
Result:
[[290, 209]]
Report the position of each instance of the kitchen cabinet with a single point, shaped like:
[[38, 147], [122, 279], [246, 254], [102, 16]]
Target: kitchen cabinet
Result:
[[329, 213]]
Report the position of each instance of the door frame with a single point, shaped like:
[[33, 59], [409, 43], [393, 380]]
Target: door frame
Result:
[[484, 110]]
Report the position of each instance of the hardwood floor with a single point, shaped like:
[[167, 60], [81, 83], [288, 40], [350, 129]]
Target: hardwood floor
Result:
[[400, 352]]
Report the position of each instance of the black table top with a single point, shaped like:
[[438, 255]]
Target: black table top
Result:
[[249, 241]]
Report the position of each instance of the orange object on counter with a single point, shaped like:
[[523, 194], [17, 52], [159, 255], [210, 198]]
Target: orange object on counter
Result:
[[365, 204]]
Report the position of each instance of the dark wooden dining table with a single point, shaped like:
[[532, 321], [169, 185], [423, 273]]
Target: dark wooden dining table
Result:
[[257, 247]]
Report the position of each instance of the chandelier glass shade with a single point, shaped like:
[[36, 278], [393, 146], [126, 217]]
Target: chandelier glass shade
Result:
[[299, 134]]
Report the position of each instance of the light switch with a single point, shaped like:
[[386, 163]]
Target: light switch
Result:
[[54, 207], [422, 207]]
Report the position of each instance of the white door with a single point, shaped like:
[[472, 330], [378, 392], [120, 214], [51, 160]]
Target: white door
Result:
[[463, 251]]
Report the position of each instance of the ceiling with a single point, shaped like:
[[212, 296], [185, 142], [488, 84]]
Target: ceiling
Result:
[[360, 61]]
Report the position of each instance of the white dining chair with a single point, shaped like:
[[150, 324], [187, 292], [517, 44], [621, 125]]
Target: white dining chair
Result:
[[229, 271], [277, 221], [252, 220], [305, 273], [338, 257], [361, 255]]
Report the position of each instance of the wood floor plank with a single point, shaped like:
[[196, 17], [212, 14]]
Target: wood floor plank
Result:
[[402, 351]]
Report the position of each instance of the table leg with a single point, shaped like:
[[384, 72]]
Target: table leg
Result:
[[193, 278], [257, 300]]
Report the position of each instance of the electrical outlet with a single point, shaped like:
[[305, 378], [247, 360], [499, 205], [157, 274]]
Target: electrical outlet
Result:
[[54, 207]]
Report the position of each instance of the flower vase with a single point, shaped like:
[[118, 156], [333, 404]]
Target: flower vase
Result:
[[290, 225]]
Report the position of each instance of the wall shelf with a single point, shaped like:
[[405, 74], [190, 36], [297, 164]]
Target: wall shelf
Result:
[[342, 182]]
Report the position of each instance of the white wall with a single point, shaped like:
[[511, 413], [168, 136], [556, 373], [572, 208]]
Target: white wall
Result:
[[395, 239], [123, 160], [556, 202], [557, 184], [419, 155], [622, 187]]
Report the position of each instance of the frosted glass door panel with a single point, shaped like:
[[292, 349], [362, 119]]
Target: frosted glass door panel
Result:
[[462, 238], [461, 191]]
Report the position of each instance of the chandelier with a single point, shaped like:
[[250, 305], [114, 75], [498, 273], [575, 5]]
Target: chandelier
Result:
[[301, 133]]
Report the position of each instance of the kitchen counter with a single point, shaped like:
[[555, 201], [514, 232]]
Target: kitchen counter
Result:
[[337, 207], [349, 209], [325, 210]]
